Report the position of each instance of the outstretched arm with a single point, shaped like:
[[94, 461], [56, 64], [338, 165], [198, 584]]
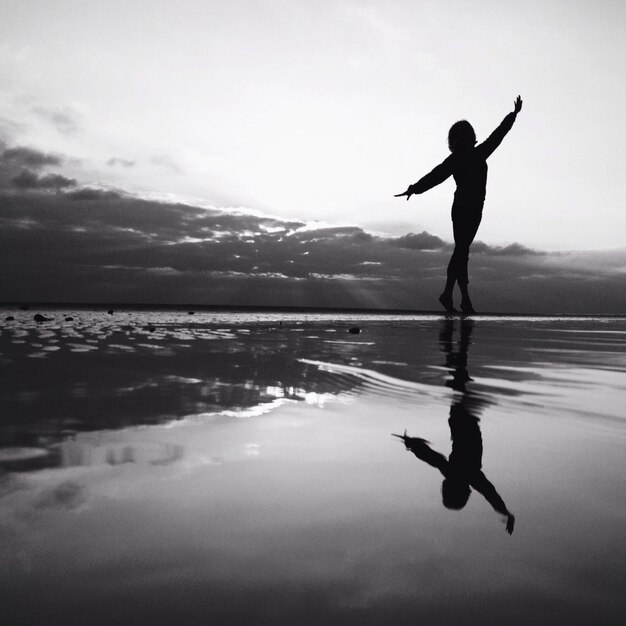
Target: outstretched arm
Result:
[[432, 179], [420, 448], [488, 146], [484, 487]]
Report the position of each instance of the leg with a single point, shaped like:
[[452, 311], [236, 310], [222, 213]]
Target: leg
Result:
[[452, 275], [446, 297], [465, 230]]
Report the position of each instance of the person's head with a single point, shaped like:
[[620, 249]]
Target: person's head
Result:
[[461, 136], [454, 493]]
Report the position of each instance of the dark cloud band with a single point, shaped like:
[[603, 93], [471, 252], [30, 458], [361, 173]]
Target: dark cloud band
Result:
[[98, 245]]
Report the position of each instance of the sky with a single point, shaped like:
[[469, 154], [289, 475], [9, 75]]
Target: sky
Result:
[[319, 111]]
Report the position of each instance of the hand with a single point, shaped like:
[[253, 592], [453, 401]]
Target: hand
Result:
[[408, 193], [518, 104], [409, 441], [403, 437], [510, 523]]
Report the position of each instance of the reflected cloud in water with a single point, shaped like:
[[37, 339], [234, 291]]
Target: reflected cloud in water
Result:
[[204, 483], [100, 373]]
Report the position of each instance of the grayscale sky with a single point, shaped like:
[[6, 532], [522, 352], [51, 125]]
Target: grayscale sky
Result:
[[322, 110]]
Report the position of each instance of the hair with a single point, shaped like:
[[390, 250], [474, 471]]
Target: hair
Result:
[[454, 493], [461, 136]]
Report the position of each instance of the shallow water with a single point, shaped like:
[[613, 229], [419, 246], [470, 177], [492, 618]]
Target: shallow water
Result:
[[239, 469]]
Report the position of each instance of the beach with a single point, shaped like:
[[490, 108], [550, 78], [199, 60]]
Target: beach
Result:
[[241, 468]]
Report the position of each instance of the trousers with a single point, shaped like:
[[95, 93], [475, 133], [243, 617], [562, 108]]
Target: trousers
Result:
[[465, 226]]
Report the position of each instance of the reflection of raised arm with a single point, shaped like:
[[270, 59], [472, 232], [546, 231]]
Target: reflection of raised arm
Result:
[[488, 146], [432, 179], [484, 487]]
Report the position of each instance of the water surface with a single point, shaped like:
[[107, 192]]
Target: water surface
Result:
[[238, 468]]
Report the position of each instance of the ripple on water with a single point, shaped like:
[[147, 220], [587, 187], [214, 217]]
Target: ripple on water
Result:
[[118, 346], [81, 347]]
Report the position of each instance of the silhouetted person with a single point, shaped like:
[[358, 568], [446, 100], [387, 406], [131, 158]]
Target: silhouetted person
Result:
[[468, 165], [462, 470]]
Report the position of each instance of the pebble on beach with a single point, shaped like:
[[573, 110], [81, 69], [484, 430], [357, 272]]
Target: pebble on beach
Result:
[[38, 317], [69, 318], [355, 330]]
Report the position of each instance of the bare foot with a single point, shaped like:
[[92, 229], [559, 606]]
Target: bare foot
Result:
[[467, 308], [446, 302]]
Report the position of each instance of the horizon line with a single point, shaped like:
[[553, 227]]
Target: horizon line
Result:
[[239, 308]]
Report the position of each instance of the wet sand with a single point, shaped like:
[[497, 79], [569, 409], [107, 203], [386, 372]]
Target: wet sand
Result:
[[237, 468]]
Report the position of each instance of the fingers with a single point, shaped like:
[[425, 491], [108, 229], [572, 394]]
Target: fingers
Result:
[[399, 195], [510, 524]]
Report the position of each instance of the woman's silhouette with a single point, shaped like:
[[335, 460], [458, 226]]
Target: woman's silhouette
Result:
[[468, 165], [462, 470]]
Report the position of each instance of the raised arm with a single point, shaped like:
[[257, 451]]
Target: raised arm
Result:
[[488, 491], [488, 146], [432, 179]]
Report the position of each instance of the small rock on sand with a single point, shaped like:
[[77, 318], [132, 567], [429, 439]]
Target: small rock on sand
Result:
[[355, 330], [38, 317]]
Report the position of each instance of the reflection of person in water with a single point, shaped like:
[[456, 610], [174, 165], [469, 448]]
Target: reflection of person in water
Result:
[[462, 469], [468, 165]]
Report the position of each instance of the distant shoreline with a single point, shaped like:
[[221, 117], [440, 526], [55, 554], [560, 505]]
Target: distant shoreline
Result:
[[235, 308]]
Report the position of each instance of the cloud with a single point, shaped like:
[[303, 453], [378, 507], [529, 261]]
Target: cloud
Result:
[[21, 156], [9, 128], [63, 119], [514, 249], [66, 495], [27, 179], [96, 245], [167, 163], [89, 194], [426, 241], [421, 241], [113, 161], [20, 167]]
